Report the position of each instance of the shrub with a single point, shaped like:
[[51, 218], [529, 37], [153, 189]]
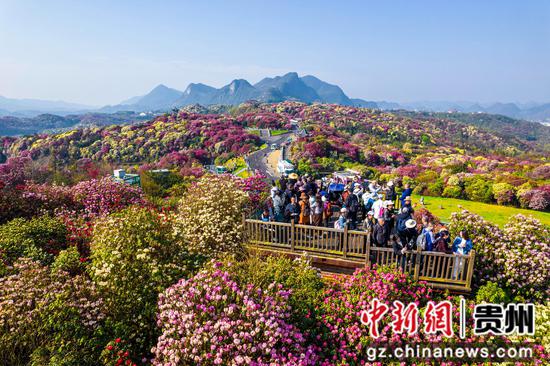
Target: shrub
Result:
[[504, 193], [48, 318], [210, 216], [536, 199], [517, 258], [492, 293], [479, 189], [104, 196], [298, 276], [211, 320], [343, 338], [39, 238], [135, 255], [452, 192], [70, 261]]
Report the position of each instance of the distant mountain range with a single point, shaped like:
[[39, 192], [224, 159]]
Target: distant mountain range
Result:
[[290, 86]]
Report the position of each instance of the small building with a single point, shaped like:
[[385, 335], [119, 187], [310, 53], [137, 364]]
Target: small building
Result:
[[120, 175]]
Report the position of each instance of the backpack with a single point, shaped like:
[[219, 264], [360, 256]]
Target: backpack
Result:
[[421, 241]]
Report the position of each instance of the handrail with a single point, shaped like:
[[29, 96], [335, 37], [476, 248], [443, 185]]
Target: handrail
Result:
[[443, 270]]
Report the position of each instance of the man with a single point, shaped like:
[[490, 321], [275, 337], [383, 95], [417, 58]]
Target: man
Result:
[[390, 191], [406, 193], [407, 203], [352, 204], [292, 210], [278, 206], [380, 232], [389, 216]]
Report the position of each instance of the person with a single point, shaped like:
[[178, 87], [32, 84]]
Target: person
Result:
[[304, 209], [389, 216], [442, 241], [274, 188], [292, 210], [265, 216], [427, 236], [288, 194], [378, 207], [390, 192], [352, 204], [409, 234], [406, 193], [374, 187], [368, 200], [461, 247], [283, 182], [317, 211], [278, 206], [399, 249], [408, 204], [369, 222], [341, 222], [327, 210], [379, 233]]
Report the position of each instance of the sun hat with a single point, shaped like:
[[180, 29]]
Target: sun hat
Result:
[[410, 223], [343, 209], [323, 198], [389, 202], [408, 198], [293, 176], [370, 213], [390, 183]]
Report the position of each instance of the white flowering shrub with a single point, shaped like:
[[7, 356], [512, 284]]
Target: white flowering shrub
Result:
[[135, 254], [210, 215], [48, 317]]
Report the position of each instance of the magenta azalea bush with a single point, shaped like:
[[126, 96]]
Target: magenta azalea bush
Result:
[[103, 196], [345, 339], [210, 319]]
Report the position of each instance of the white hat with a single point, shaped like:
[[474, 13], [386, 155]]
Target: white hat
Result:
[[410, 223], [323, 198], [389, 202], [370, 213], [343, 209], [390, 183]]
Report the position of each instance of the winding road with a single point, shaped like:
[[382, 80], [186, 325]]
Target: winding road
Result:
[[258, 159]]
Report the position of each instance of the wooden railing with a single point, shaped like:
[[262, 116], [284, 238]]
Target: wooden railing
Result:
[[353, 248]]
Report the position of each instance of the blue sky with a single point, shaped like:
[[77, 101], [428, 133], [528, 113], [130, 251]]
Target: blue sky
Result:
[[101, 52]]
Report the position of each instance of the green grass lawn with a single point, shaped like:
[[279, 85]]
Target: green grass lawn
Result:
[[278, 132], [443, 207]]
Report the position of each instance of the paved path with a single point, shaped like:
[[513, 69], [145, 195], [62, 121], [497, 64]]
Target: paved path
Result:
[[258, 159]]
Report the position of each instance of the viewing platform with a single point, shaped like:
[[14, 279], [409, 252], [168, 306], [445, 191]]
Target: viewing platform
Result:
[[342, 251]]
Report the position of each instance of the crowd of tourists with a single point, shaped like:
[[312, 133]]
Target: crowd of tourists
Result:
[[360, 204]]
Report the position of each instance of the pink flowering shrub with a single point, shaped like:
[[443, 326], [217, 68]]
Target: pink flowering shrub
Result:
[[344, 339], [210, 319], [517, 257], [104, 196]]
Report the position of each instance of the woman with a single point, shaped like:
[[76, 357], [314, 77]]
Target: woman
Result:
[[317, 211], [327, 210], [461, 247], [304, 209]]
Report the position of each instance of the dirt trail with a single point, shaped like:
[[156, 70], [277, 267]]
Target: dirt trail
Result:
[[272, 161]]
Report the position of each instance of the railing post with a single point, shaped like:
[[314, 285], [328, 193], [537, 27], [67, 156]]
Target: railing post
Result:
[[292, 230], [345, 246], [470, 272], [367, 251], [417, 264], [244, 228]]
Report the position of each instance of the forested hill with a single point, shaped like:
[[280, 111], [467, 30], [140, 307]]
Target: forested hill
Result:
[[507, 127]]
